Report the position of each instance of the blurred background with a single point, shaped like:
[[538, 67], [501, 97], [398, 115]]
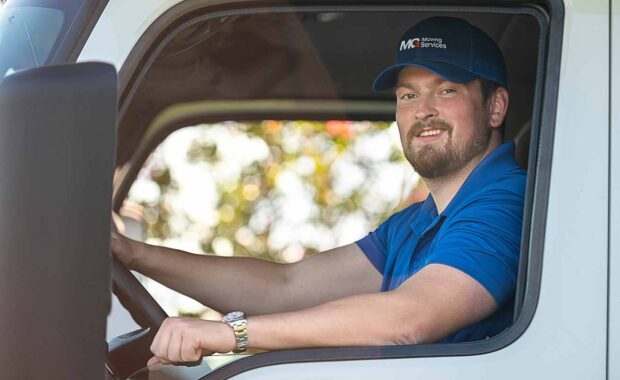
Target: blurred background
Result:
[[275, 190]]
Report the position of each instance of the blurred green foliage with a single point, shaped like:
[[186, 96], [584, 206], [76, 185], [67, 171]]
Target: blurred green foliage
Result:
[[318, 143]]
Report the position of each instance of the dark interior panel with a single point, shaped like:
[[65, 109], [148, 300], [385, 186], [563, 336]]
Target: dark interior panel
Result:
[[310, 55]]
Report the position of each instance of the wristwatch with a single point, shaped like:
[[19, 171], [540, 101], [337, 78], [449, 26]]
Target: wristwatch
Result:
[[237, 321]]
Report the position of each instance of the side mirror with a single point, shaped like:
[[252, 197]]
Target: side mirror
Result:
[[57, 149]]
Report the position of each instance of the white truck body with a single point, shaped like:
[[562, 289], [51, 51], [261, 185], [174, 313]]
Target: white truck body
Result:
[[575, 330], [568, 336]]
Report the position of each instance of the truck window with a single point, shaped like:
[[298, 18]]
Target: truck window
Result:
[[179, 97], [27, 35], [276, 190], [39, 32]]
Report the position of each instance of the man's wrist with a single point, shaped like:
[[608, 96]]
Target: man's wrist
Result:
[[138, 256], [229, 342]]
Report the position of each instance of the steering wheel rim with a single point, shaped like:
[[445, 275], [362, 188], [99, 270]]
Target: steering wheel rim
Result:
[[140, 304]]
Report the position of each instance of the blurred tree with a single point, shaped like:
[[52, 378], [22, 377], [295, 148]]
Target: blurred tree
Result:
[[300, 154], [300, 192]]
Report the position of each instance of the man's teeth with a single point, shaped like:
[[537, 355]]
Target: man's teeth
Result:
[[431, 132]]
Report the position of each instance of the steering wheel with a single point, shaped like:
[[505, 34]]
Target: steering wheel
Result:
[[129, 353], [133, 296]]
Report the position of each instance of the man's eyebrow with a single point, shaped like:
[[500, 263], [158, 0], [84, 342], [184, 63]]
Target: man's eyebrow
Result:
[[406, 85], [439, 81], [435, 83]]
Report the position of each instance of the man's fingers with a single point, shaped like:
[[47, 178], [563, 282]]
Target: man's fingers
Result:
[[180, 340], [174, 347], [152, 361], [159, 347], [117, 223], [190, 351], [115, 241]]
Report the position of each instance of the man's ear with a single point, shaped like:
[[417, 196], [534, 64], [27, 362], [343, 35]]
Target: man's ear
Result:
[[498, 105]]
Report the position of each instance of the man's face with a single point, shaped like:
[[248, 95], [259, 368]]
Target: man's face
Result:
[[443, 125]]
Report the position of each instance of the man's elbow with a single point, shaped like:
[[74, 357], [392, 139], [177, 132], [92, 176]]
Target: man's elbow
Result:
[[407, 336], [413, 331]]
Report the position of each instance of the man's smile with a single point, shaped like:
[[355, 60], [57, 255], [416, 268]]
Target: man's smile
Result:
[[429, 134]]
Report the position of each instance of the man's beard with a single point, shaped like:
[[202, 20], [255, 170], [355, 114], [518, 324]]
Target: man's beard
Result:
[[433, 161]]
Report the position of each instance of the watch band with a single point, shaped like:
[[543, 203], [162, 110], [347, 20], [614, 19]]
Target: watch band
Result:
[[237, 321]]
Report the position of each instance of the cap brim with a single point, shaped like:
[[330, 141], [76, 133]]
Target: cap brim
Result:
[[387, 78]]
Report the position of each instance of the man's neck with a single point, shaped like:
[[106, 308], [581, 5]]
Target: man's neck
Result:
[[445, 188]]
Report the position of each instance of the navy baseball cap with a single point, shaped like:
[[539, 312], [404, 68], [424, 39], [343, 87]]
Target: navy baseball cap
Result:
[[449, 47]]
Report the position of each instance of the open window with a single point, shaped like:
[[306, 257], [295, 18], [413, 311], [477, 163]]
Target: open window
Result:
[[199, 78], [275, 190]]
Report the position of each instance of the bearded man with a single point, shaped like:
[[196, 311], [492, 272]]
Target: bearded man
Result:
[[443, 270]]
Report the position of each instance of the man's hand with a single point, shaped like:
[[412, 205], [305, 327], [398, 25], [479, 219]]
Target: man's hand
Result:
[[125, 249], [187, 340]]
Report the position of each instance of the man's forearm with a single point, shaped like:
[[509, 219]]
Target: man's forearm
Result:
[[361, 320], [220, 283], [252, 285]]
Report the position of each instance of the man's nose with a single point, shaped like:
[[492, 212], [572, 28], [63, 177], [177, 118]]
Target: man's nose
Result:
[[426, 108]]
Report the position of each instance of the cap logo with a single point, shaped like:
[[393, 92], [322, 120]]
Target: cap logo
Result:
[[424, 42]]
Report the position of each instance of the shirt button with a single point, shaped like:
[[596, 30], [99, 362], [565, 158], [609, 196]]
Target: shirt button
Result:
[[416, 263]]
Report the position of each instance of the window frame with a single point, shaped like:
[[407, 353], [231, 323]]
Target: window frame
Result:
[[550, 18]]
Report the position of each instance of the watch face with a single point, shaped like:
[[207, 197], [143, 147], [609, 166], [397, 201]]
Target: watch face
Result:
[[235, 315]]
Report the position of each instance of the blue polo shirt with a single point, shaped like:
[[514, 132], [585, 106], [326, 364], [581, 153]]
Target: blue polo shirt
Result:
[[479, 233]]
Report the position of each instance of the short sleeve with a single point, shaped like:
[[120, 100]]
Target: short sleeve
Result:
[[483, 240], [374, 245]]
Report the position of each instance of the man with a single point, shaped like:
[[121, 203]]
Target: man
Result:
[[441, 270]]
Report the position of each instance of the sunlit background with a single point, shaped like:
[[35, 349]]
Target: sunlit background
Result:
[[269, 189]]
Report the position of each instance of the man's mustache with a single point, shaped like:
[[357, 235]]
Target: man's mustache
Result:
[[420, 126]]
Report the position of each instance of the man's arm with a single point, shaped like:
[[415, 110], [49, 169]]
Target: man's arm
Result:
[[252, 285], [429, 306], [434, 303]]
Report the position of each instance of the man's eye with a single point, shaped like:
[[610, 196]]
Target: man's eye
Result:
[[407, 96], [446, 91]]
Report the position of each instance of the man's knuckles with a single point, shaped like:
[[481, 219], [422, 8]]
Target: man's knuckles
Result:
[[177, 341], [189, 354]]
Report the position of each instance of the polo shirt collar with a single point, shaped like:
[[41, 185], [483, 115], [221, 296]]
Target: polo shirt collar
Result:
[[425, 217], [494, 165]]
